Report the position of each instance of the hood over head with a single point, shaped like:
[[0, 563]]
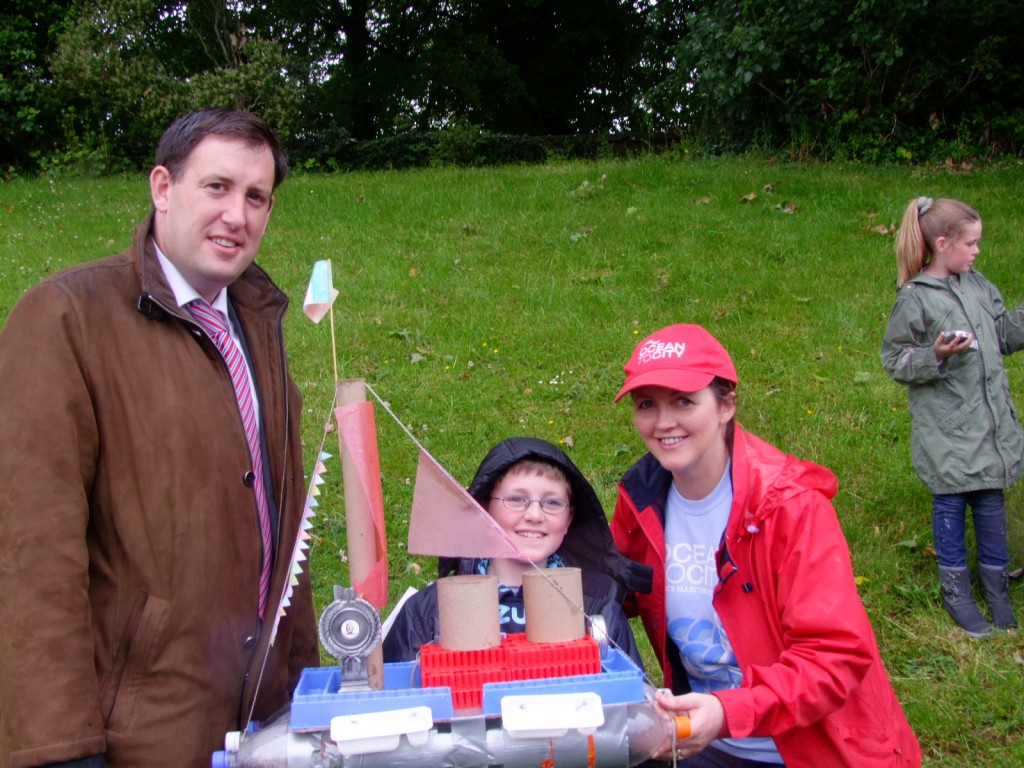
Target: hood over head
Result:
[[588, 544], [771, 479]]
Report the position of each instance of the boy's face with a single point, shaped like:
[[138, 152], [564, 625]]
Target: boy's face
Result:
[[538, 534]]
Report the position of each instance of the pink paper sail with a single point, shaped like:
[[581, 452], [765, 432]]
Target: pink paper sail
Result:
[[357, 434], [447, 522]]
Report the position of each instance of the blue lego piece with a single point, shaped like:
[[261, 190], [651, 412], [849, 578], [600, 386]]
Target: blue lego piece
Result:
[[621, 682]]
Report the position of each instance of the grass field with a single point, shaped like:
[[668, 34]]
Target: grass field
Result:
[[485, 303]]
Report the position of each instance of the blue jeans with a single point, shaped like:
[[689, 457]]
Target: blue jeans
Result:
[[988, 510]]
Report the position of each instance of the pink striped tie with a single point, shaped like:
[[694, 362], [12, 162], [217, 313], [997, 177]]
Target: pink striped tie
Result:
[[213, 322]]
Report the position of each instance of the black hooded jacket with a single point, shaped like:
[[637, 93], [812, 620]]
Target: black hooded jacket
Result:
[[606, 574]]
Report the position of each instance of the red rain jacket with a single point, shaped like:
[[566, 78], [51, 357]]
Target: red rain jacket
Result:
[[812, 675]]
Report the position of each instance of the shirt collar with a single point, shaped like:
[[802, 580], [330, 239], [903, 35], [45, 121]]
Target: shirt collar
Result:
[[183, 291]]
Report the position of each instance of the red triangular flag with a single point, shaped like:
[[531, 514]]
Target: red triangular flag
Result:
[[447, 522]]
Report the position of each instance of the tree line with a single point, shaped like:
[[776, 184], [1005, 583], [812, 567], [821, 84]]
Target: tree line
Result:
[[90, 84]]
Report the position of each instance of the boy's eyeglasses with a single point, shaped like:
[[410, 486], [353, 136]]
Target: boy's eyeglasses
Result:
[[549, 506]]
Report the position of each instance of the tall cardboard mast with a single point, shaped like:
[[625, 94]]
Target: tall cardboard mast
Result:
[[363, 523]]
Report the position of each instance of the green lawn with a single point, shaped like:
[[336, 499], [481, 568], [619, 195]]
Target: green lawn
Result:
[[486, 303]]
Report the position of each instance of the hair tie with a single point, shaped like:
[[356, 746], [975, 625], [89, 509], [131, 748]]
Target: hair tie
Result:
[[923, 204]]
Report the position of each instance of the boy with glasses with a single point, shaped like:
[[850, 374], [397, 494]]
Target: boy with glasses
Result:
[[545, 505]]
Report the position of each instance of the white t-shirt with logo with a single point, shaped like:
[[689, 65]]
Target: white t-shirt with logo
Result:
[[693, 531]]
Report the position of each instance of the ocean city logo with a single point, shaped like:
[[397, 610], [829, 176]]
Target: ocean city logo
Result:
[[659, 350]]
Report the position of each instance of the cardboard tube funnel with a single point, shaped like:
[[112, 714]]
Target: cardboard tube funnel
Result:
[[553, 599], [468, 611], [362, 553], [360, 532]]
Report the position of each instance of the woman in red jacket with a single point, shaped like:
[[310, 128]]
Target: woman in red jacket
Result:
[[754, 614]]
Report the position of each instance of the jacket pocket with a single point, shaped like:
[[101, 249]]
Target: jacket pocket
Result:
[[137, 662], [955, 419]]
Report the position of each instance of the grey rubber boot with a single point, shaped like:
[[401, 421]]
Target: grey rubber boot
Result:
[[995, 584], [958, 600]]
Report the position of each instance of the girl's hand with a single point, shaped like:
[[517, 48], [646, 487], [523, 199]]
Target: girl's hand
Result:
[[956, 346], [707, 717]]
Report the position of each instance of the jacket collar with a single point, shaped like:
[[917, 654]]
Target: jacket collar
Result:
[[762, 478], [923, 280], [647, 483], [253, 290]]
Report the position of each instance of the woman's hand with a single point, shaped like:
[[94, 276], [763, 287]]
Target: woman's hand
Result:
[[955, 346], [707, 717]]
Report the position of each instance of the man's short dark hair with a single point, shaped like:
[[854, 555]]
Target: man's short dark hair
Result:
[[182, 136]]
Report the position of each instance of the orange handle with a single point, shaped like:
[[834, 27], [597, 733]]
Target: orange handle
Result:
[[682, 727]]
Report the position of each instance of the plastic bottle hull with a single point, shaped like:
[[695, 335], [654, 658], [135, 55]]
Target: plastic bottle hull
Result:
[[627, 737]]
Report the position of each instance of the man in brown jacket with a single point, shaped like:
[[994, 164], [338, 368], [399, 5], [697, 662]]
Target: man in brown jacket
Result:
[[131, 547]]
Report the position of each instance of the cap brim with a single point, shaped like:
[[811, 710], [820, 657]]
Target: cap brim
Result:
[[681, 381]]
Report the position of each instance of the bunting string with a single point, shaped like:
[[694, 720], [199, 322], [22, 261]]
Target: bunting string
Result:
[[537, 568]]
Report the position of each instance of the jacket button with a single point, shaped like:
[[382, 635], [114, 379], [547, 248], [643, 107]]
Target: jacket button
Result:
[[250, 642], [249, 478]]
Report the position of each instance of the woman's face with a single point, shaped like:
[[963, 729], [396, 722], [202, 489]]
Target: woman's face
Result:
[[685, 431]]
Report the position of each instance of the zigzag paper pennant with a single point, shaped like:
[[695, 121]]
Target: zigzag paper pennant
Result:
[[301, 545]]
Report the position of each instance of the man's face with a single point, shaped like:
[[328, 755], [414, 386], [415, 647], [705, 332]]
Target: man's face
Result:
[[211, 218]]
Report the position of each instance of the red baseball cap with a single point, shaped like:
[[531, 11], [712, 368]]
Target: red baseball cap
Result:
[[681, 357]]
